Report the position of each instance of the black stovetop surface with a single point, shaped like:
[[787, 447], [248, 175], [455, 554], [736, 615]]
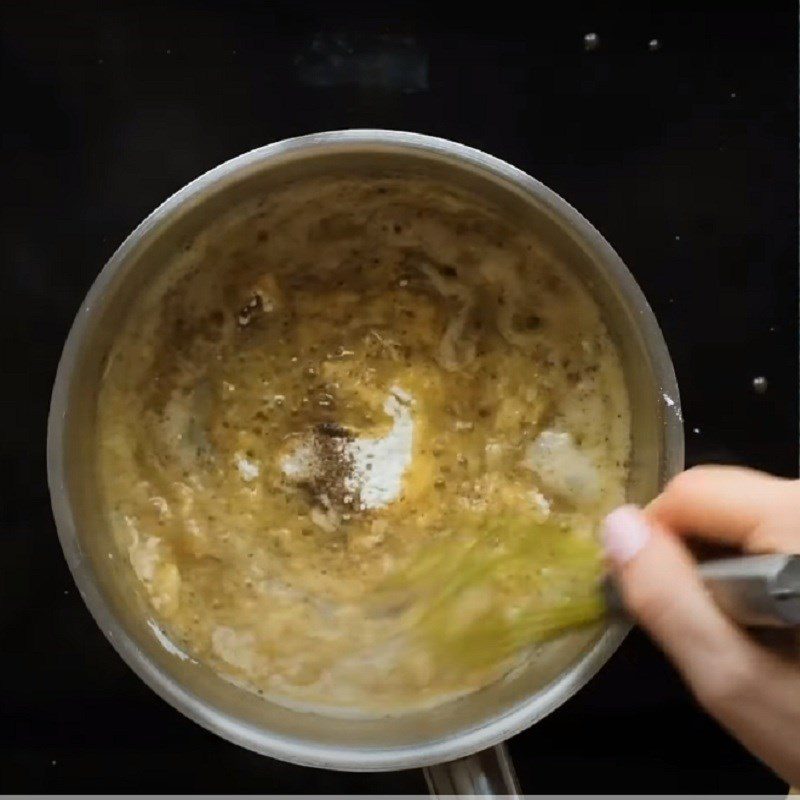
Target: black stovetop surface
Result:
[[683, 155]]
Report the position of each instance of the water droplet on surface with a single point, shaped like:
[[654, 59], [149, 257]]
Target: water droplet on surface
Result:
[[760, 384], [591, 41], [653, 45]]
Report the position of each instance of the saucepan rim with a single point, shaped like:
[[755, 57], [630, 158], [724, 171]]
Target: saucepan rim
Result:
[[252, 736]]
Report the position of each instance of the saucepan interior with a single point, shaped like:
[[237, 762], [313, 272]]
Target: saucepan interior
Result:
[[455, 728]]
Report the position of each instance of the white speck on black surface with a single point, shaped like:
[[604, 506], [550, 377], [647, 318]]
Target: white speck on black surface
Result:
[[591, 41]]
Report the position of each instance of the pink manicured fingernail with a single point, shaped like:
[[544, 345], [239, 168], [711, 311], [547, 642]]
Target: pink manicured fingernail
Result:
[[625, 532]]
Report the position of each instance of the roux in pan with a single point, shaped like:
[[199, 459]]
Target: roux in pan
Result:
[[325, 388]]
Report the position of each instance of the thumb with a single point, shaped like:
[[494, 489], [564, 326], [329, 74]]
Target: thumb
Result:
[[662, 588]]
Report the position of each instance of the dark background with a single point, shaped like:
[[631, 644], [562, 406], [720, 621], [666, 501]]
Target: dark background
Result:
[[683, 156]]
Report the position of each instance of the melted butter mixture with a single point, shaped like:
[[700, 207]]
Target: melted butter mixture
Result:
[[324, 388]]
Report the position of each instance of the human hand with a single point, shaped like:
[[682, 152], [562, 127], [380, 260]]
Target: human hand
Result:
[[752, 691]]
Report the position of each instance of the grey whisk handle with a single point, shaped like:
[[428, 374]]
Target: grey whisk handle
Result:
[[755, 591]]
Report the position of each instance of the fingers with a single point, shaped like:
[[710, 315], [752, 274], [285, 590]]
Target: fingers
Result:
[[727, 504], [753, 692], [662, 589]]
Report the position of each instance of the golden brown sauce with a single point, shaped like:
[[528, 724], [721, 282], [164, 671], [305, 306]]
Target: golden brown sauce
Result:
[[327, 385]]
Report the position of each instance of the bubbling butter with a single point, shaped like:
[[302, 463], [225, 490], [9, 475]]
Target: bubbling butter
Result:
[[324, 386]]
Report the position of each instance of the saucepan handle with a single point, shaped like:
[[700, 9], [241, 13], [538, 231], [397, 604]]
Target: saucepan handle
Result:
[[488, 773]]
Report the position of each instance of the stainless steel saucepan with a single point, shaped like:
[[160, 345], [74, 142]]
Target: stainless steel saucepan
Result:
[[459, 742]]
